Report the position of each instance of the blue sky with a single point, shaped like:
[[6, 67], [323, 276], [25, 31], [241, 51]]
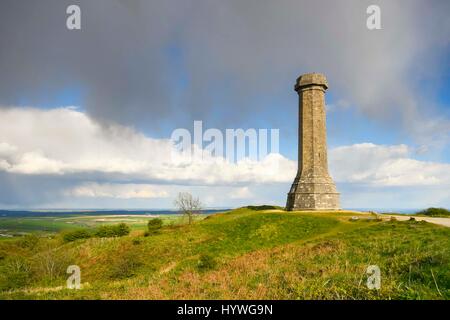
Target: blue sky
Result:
[[89, 104]]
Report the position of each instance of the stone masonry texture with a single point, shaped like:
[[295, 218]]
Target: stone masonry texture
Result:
[[313, 188]]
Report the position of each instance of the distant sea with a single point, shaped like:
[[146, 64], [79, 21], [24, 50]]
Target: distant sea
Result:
[[100, 212], [92, 212]]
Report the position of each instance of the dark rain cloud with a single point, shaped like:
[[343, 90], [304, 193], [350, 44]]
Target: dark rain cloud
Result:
[[153, 64]]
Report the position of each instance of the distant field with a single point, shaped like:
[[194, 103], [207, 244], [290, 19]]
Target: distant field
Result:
[[12, 226]]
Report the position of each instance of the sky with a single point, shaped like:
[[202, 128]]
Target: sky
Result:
[[86, 116]]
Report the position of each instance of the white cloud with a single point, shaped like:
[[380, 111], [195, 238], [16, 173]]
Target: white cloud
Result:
[[65, 141], [241, 193], [120, 191], [380, 165], [340, 104]]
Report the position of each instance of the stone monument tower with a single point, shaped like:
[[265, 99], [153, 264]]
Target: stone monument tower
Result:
[[313, 188]]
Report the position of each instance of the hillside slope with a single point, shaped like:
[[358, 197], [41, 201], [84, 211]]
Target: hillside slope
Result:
[[241, 254]]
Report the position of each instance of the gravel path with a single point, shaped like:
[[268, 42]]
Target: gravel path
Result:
[[442, 221]]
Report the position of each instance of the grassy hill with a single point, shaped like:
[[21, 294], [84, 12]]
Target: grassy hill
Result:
[[246, 253]]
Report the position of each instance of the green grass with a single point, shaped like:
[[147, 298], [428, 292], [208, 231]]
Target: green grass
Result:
[[241, 254]]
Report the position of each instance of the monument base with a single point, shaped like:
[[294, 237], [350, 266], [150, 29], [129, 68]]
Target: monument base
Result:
[[312, 201], [313, 193]]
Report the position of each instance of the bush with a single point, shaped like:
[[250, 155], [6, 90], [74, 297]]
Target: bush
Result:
[[29, 241], [154, 225], [122, 229], [125, 265], [435, 212], [51, 263], [108, 231], [264, 207], [76, 235], [104, 232], [15, 273], [206, 262]]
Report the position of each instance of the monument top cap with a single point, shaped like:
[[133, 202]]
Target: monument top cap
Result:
[[311, 79]]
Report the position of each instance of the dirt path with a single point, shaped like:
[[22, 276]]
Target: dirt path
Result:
[[442, 221]]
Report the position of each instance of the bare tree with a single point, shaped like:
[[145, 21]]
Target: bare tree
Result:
[[188, 205]]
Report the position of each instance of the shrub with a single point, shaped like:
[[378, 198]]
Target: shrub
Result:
[[154, 225], [122, 229], [51, 263], [108, 231], [264, 207], [29, 241], [206, 262], [125, 265], [146, 233], [435, 212], [15, 273], [76, 235], [136, 241]]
